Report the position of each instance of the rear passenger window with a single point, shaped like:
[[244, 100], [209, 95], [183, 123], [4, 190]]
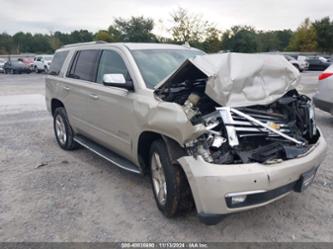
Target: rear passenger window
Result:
[[111, 63], [85, 65], [57, 62]]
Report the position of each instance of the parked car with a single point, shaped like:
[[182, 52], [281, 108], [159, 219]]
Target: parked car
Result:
[[204, 127], [29, 62], [317, 63], [303, 61], [42, 63], [329, 59], [323, 99], [16, 67], [2, 63], [300, 66]]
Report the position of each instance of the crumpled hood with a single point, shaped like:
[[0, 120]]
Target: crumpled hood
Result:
[[236, 80]]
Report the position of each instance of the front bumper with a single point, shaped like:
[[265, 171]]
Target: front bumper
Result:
[[211, 184]]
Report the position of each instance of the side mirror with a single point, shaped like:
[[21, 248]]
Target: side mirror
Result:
[[117, 80]]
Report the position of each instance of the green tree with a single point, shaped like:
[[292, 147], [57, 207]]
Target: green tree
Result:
[[273, 40], [240, 39], [304, 39], [103, 35], [22, 42], [324, 32], [135, 29], [188, 27], [80, 36], [54, 41], [62, 37], [6, 44], [283, 37], [212, 42], [40, 44], [115, 34]]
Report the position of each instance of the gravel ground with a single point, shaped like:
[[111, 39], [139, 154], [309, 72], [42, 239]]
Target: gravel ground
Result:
[[47, 194]]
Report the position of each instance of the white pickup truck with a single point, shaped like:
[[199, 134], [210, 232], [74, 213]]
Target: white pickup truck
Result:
[[42, 63]]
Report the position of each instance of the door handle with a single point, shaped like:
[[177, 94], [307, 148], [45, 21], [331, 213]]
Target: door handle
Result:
[[94, 96], [66, 88]]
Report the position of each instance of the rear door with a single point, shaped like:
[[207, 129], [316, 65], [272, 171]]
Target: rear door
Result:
[[77, 88]]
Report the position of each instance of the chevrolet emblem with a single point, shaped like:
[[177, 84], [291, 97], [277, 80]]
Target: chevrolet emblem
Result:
[[274, 125]]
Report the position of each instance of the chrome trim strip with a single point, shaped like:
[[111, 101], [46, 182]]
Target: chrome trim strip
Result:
[[245, 193]]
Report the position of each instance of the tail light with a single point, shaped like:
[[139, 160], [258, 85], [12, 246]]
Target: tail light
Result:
[[325, 75]]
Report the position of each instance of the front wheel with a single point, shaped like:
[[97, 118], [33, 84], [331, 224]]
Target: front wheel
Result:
[[62, 130], [170, 187]]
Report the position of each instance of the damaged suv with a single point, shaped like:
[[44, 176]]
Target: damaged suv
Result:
[[221, 132]]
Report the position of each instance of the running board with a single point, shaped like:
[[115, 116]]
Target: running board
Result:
[[107, 154]]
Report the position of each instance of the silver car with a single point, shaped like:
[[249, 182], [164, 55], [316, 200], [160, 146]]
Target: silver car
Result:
[[323, 99]]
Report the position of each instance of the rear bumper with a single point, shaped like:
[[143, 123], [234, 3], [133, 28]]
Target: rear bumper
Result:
[[212, 184]]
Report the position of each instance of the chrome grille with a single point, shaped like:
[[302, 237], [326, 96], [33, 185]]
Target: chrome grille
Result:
[[246, 128], [246, 122]]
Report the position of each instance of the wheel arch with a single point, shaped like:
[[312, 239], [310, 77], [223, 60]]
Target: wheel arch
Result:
[[146, 138], [56, 103]]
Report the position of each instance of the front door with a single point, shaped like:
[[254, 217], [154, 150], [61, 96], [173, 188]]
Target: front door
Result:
[[110, 108]]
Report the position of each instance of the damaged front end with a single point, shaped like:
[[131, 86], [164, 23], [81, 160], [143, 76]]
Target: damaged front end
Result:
[[280, 131], [276, 127]]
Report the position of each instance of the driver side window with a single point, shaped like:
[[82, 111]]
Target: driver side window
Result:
[[111, 63]]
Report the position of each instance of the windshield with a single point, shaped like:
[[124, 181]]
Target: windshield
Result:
[[156, 64]]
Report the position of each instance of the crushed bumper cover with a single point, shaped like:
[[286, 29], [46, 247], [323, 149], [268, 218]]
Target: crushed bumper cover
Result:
[[211, 184]]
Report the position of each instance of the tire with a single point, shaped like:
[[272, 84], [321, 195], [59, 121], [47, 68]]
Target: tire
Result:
[[46, 70], [36, 70], [177, 197], [62, 130]]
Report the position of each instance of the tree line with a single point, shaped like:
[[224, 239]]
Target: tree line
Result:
[[316, 36]]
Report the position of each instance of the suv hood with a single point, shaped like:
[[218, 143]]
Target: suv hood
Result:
[[235, 79]]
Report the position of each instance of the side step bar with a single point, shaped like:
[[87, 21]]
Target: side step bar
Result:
[[107, 154]]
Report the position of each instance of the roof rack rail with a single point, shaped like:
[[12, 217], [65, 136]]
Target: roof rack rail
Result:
[[83, 44]]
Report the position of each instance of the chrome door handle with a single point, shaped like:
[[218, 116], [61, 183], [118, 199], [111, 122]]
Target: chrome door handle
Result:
[[66, 88], [93, 96]]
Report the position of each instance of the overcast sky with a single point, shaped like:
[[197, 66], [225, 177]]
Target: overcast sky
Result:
[[66, 15]]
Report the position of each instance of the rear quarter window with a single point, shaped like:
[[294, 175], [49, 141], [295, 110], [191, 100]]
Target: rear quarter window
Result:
[[84, 65], [57, 62]]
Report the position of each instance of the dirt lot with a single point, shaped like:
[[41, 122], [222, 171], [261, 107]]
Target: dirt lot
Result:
[[47, 194]]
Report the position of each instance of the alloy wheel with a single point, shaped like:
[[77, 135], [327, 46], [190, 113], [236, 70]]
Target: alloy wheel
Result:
[[60, 129], [158, 178]]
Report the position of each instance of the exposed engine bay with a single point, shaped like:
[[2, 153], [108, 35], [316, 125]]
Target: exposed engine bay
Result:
[[282, 130]]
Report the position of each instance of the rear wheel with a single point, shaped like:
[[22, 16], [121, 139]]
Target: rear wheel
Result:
[[170, 187], [62, 130]]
